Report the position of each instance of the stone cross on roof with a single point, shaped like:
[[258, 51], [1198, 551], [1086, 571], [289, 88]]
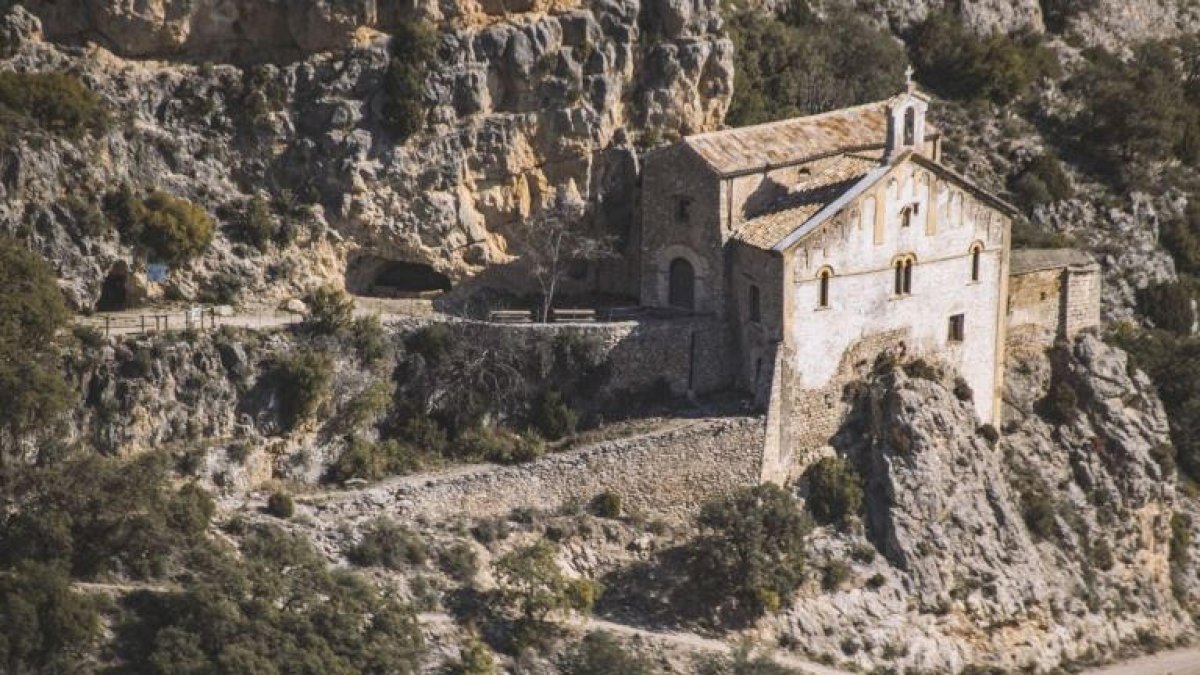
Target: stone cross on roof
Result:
[[908, 77]]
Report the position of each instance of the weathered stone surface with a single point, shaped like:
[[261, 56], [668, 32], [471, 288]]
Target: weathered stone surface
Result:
[[519, 108], [962, 579]]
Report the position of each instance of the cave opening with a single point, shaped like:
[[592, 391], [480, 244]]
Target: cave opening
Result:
[[116, 292], [382, 278]]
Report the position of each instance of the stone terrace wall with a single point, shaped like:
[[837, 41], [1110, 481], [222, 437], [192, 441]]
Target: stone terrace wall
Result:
[[643, 352], [666, 474]]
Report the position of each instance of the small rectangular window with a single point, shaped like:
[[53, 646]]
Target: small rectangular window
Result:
[[683, 209], [958, 326]]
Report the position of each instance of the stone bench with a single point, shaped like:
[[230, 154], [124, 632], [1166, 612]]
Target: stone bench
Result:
[[510, 316], [574, 315]]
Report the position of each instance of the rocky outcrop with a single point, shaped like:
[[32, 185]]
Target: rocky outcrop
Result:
[[1048, 546], [520, 103]]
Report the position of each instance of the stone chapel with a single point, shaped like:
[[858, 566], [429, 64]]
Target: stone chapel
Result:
[[820, 242]]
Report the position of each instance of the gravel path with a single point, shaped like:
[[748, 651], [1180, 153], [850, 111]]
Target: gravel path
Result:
[[1178, 662]]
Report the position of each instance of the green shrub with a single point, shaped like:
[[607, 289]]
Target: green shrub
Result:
[[254, 223], [373, 461], [1061, 404], [242, 615], [474, 658], [97, 516], [1100, 555], [32, 315], [1163, 454], [413, 47], [489, 530], [532, 584], [280, 505], [923, 370], [835, 491], [1169, 306], [803, 65], [167, 228], [424, 434], [607, 504], [45, 625], [1041, 181], [751, 551], [500, 446], [301, 382], [1115, 127], [1181, 237], [432, 343], [55, 101], [1038, 509], [552, 417], [599, 653], [369, 339], [459, 561], [835, 574], [330, 311], [1181, 538], [367, 406], [384, 543], [957, 64]]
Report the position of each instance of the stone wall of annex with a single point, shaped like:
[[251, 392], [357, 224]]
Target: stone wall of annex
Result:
[[1053, 294]]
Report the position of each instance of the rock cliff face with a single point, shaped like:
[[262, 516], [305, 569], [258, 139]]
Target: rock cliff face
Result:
[[521, 103], [1046, 547]]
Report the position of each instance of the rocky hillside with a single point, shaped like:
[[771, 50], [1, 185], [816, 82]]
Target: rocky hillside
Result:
[[303, 105], [1051, 546]]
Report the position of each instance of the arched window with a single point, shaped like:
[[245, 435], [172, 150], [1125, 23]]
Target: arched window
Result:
[[910, 127], [682, 284], [906, 215], [903, 266], [976, 254], [823, 287], [755, 304]]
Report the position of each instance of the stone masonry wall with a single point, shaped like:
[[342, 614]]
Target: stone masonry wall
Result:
[[810, 417], [666, 474], [1082, 299], [690, 353], [1035, 299], [1055, 302]]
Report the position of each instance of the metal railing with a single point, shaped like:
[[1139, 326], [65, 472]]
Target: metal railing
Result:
[[196, 318]]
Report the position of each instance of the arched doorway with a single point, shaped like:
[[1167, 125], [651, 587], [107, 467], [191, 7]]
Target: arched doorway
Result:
[[682, 284]]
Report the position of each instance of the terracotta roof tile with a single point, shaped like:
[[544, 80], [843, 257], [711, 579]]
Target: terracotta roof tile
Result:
[[769, 228]]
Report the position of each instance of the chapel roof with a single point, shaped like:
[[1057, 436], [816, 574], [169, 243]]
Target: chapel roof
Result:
[[791, 141], [827, 193], [806, 200]]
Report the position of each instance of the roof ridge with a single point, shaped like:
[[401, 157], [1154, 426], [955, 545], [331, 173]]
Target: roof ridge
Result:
[[787, 120]]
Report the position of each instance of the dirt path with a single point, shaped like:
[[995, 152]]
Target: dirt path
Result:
[[687, 641], [1177, 662]]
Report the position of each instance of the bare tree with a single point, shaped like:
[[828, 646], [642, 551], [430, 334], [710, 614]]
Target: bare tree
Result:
[[556, 238]]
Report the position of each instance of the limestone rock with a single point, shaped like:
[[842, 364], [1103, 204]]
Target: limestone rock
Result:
[[961, 578]]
